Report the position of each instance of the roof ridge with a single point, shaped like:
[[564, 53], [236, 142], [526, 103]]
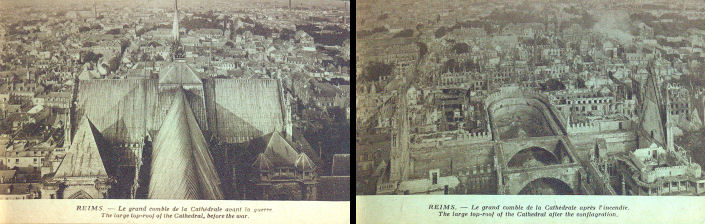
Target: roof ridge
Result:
[[179, 73], [181, 152]]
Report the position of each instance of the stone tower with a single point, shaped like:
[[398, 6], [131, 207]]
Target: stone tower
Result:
[[399, 163]]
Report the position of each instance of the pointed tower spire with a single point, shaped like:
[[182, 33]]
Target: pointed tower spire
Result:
[[175, 26]]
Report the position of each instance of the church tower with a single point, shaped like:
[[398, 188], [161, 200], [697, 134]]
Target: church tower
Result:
[[175, 26], [399, 161]]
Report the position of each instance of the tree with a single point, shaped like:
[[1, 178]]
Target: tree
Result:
[[423, 49], [337, 113], [123, 45], [461, 48], [89, 56], [440, 32], [553, 85], [287, 34], [580, 83], [377, 69]]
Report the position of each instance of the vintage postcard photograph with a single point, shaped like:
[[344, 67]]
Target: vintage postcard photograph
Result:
[[529, 97], [175, 99]]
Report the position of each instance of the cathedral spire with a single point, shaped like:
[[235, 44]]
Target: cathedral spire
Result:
[[175, 26]]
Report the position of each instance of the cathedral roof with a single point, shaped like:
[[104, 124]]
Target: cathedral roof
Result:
[[245, 109], [179, 72], [182, 166], [238, 110], [83, 157]]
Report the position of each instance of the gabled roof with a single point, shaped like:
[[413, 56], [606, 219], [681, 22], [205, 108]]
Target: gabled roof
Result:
[[279, 151], [182, 166], [179, 73], [83, 157], [304, 163]]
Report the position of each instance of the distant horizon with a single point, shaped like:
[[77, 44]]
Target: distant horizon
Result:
[[156, 3]]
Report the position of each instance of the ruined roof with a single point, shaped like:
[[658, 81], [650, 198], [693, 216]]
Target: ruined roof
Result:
[[83, 157], [179, 73], [182, 166]]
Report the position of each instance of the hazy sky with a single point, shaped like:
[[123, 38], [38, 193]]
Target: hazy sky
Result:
[[161, 3]]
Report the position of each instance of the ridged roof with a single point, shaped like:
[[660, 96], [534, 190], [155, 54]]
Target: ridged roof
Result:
[[244, 109], [182, 166], [121, 110], [179, 73], [237, 110], [83, 157]]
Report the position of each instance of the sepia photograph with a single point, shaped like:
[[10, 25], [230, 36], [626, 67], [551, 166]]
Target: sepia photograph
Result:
[[531, 97], [175, 99]]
